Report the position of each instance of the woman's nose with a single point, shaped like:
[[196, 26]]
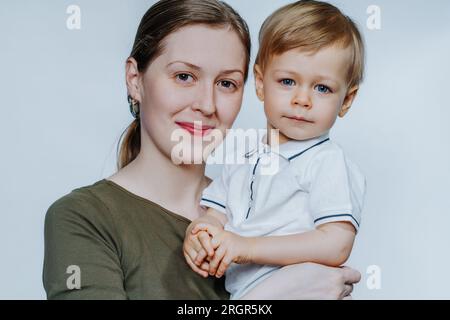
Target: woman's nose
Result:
[[302, 98], [206, 100]]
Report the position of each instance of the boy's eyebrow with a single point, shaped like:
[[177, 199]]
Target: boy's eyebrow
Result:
[[321, 77], [197, 68]]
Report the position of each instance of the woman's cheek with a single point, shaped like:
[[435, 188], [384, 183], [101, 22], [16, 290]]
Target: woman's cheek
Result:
[[228, 109]]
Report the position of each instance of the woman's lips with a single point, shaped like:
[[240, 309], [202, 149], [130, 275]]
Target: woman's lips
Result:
[[194, 129]]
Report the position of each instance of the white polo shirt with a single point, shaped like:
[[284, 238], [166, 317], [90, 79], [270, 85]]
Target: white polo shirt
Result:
[[315, 184]]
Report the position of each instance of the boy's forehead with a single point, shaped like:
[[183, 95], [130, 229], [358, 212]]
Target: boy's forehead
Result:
[[332, 61]]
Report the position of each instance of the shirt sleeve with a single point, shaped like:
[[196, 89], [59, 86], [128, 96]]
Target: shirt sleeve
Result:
[[337, 189], [215, 195], [79, 243]]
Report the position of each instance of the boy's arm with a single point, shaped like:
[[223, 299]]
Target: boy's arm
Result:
[[330, 244]]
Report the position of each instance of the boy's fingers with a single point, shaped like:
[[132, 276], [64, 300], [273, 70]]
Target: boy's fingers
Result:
[[218, 256], [204, 274], [212, 230], [205, 240], [224, 264], [199, 227], [215, 242], [200, 257]]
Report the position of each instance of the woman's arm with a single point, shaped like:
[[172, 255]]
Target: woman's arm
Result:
[[306, 281], [79, 249]]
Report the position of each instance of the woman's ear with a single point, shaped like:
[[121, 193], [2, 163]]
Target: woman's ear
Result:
[[348, 100], [259, 83], [132, 77]]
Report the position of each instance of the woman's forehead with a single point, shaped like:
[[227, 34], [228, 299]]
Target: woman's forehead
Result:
[[205, 46]]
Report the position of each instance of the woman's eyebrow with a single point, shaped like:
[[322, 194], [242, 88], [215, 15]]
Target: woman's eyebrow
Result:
[[190, 65], [197, 68], [225, 72]]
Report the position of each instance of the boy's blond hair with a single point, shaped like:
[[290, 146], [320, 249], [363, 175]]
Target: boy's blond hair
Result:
[[310, 26]]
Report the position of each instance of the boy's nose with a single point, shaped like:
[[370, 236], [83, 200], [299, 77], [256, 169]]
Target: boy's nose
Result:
[[302, 99]]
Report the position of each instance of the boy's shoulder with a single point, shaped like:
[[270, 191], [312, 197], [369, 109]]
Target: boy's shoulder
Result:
[[330, 155]]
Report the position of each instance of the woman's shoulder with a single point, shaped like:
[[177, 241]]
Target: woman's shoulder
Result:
[[84, 204]]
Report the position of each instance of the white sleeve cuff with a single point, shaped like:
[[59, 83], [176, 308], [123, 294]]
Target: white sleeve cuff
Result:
[[210, 203], [337, 218]]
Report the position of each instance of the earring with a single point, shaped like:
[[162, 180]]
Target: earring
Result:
[[134, 107]]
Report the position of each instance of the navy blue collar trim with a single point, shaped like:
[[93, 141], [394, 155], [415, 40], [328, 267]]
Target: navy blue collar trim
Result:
[[299, 154]]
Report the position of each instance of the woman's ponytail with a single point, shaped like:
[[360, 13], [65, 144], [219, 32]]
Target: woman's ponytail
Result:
[[130, 144]]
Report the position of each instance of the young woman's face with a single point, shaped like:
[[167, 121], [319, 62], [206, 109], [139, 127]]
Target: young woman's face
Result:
[[198, 78]]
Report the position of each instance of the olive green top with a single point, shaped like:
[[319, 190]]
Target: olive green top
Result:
[[126, 247]]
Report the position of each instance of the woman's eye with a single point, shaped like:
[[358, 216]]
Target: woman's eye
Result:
[[227, 84], [323, 89], [184, 77], [287, 82]]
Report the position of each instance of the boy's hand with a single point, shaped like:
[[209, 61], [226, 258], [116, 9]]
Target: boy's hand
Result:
[[229, 247]]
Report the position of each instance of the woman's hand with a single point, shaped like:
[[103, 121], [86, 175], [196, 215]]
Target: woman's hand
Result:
[[307, 281], [196, 248]]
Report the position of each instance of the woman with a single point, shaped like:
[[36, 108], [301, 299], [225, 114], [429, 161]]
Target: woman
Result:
[[124, 235]]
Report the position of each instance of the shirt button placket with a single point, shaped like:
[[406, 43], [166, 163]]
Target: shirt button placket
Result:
[[252, 189]]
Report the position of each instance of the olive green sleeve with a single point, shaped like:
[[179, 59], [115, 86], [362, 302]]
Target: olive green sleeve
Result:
[[79, 233]]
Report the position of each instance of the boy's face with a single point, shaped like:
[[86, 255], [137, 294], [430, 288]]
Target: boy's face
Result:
[[303, 93]]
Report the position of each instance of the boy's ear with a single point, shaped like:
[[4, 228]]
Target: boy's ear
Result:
[[348, 100], [259, 83]]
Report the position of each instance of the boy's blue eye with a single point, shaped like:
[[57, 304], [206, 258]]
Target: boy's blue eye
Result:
[[323, 89], [288, 82]]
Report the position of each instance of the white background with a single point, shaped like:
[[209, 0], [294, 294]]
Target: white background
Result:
[[63, 107]]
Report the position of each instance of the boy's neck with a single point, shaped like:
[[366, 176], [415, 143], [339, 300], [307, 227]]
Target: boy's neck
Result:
[[274, 136]]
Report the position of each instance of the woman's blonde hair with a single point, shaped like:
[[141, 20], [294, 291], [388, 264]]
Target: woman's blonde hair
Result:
[[310, 26], [162, 19]]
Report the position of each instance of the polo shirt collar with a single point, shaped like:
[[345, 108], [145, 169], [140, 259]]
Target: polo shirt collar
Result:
[[290, 149]]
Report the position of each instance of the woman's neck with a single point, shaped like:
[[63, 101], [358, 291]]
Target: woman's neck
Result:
[[153, 176]]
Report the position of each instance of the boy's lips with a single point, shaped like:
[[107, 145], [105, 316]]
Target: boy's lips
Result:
[[301, 119], [193, 129]]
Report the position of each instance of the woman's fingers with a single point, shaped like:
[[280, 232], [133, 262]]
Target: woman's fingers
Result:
[[200, 257], [214, 263], [348, 289], [205, 240], [205, 266], [350, 275], [203, 273], [192, 242], [191, 253]]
